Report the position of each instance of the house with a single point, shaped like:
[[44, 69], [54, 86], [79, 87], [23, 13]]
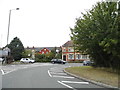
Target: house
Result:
[[44, 51], [70, 54]]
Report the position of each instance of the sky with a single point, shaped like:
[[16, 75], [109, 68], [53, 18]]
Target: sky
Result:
[[40, 23]]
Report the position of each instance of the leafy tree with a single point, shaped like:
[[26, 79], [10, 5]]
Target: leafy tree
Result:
[[97, 34], [16, 48], [27, 53]]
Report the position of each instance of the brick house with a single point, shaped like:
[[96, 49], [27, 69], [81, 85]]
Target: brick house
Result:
[[69, 53], [44, 51]]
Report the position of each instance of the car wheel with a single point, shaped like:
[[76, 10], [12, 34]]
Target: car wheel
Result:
[[53, 62]]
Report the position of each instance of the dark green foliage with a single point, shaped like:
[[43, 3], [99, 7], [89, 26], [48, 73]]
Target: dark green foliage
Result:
[[43, 57], [27, 54], [48, 57], [16, 48], [97, 34]]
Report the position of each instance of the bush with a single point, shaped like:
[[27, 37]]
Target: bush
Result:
[[42, 58], [80, 61]]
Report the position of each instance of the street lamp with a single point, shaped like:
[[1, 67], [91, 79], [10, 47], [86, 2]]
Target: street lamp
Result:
[[9, 23]]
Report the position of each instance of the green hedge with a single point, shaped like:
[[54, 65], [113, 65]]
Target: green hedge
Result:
[[42, 60], [75, 61]]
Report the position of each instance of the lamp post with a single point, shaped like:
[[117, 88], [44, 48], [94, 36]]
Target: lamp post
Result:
[[9, 23], [8, 50]]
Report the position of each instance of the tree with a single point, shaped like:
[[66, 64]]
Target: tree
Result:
[[27, 54], [16, 48], [97, 34]]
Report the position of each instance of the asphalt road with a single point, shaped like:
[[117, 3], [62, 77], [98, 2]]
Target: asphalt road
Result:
[[44, 76]]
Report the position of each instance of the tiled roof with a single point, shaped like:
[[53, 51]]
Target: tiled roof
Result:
[[68, 44], [40, 48]]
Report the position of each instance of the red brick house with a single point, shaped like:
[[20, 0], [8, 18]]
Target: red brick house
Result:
[[44, 51], [69, 53]]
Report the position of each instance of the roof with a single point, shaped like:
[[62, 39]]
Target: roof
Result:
[[68, 44], [40, 48]]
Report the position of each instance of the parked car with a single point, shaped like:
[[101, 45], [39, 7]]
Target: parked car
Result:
[[60, 61], [27, 60], [87, 63], [1, 59]]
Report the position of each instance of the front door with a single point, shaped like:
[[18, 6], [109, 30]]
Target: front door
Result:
[[64, 57]]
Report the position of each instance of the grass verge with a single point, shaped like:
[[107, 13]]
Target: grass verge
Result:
[[102, 75]]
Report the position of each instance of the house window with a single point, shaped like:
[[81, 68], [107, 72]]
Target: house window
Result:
[[71, 56], [70, 50], [84, 56], [42, 52], [78, 56], [64, 49]]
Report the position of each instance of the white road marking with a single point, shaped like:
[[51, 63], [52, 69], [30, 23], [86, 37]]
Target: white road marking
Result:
[[2, 72], [75, 82], [62, 76], [66, 85], [59, 73], [49, 73]]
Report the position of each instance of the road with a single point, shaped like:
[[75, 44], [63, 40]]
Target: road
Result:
[[43, 75]]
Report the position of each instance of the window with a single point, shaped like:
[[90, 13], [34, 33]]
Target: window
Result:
[[71, 56], [70, 49], [78, 56], [64, 49], [84, 56]]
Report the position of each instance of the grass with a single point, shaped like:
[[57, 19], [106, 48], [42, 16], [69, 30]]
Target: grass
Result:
[[102, 75]]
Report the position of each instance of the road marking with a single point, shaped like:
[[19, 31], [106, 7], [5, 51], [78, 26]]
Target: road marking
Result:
[[66, 85], [2, 72], [59, 73], [49, 73], [62, 76], [75, 82]]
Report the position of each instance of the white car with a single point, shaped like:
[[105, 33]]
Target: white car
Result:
[[27, 60], [1, 59]]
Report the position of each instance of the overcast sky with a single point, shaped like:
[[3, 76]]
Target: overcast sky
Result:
[[40, 23]]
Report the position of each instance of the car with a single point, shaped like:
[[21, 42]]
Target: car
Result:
[[59, 61], [27, 60], [87, 63], [1, 59]]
